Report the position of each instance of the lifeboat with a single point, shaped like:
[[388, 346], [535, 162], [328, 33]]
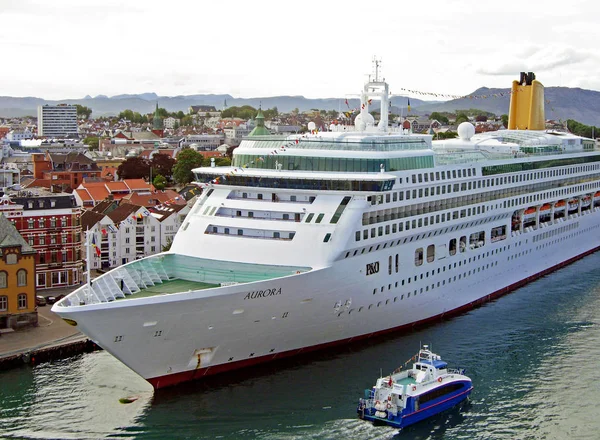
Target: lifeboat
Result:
[[560, 204], [586, 201], [545, 208], [597, 196], [529, 214], [573, 204]]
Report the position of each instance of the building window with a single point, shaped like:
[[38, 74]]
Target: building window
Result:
[[30, 223], [11, 259], [3, 280], [53, 222], [41, 223], [42, 239], [63, 222], [21, 277], [22, 301], [41, 280], [53, 239], [3, 303], [64, 238]]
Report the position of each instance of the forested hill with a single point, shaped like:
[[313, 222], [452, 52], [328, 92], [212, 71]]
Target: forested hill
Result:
[[561, 103]]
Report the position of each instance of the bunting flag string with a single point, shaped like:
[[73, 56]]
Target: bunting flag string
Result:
[[444, 95]]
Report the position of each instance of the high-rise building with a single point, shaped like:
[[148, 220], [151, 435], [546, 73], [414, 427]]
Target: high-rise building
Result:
[[57, 121]]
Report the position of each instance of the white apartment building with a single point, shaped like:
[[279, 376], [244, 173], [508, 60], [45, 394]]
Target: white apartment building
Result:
[[204, 142], [57, 121], [131, 232], [170, 122]]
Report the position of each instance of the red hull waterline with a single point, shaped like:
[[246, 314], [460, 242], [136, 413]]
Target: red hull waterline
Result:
[[177, 378]]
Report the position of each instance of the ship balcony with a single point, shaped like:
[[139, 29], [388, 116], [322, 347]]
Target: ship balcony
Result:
[[170, 273]]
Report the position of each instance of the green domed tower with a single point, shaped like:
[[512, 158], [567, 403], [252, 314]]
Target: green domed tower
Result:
[[260, 129]]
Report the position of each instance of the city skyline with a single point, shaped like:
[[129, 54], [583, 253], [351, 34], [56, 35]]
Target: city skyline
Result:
[[67, 50]]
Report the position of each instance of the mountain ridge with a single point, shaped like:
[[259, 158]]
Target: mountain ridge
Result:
[[561, 103]]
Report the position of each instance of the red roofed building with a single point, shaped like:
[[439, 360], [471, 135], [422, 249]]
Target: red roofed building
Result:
[[89, 194], [63, 169], [168, 196]]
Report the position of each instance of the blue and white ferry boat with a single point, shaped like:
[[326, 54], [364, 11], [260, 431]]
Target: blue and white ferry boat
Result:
[[407, 397]]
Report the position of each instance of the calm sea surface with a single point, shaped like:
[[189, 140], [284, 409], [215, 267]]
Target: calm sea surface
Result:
[[533, 355]]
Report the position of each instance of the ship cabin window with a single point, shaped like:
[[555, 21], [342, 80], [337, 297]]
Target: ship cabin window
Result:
[[276, 235], [286, 216], [430, 253], [292, 234], [226, 231], [309, 217], [437, 175], [395, 197], [373, 233], [387, 198], [454, 174], [327, 237], [311, 199], [414, 178], [463, 243], [259, 196], [357, 236], [319, 218], [452, 246], [215, 229], [425, 177], [244, 195], [292, 198], [240, 232], [365, 234], [250, 214], [238, 213], [419, 257]]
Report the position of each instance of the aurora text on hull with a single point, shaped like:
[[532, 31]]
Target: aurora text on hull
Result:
[[313, 240]]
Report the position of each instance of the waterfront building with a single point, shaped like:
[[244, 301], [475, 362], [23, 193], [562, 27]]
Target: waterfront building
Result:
[[50, 223], [17, 275], [57, 121]]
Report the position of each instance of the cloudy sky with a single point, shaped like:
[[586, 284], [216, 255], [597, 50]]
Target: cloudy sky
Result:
[[319, 49]]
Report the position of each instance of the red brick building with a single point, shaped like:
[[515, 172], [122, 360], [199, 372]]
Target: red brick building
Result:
[[67, 170], [50, 223]]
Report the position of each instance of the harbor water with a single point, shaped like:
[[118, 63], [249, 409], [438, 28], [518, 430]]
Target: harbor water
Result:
[[533, 356]]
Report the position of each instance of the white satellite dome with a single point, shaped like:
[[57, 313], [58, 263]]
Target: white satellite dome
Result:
[[360, 124], [466, 130]]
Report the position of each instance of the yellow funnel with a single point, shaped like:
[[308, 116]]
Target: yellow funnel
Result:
[[526, 110]]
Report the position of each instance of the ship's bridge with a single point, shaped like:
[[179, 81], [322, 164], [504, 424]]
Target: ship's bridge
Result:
[[337, 152]]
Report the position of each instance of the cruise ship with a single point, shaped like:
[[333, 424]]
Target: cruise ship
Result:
[[318, 239]]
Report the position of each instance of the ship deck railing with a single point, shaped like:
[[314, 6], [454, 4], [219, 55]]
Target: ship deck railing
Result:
[[170, 273]]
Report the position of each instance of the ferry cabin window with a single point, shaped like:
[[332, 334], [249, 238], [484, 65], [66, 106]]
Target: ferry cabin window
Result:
[[327, 237], [309, 217]]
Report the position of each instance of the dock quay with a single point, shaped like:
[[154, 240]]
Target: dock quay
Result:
[[51, 340]]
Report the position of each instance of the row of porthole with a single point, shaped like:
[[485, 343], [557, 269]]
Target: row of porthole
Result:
[[426, 288]]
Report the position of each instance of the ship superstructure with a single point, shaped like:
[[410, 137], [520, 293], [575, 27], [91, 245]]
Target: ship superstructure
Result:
[[318, 239]]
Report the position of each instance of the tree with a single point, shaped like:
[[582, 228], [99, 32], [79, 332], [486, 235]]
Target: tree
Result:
[[461, 117], [167, 245], [83, 111], [439, 117], [93, 142], [505, 120], [162, 164], [134, 168], [159, 182], [187, 160], [270, 113], [222, 161]]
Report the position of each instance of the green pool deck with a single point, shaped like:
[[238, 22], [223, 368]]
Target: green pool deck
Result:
[[171, 286]]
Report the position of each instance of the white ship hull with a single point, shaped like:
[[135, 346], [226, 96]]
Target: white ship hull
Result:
[[307, 242], [304, 316]]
